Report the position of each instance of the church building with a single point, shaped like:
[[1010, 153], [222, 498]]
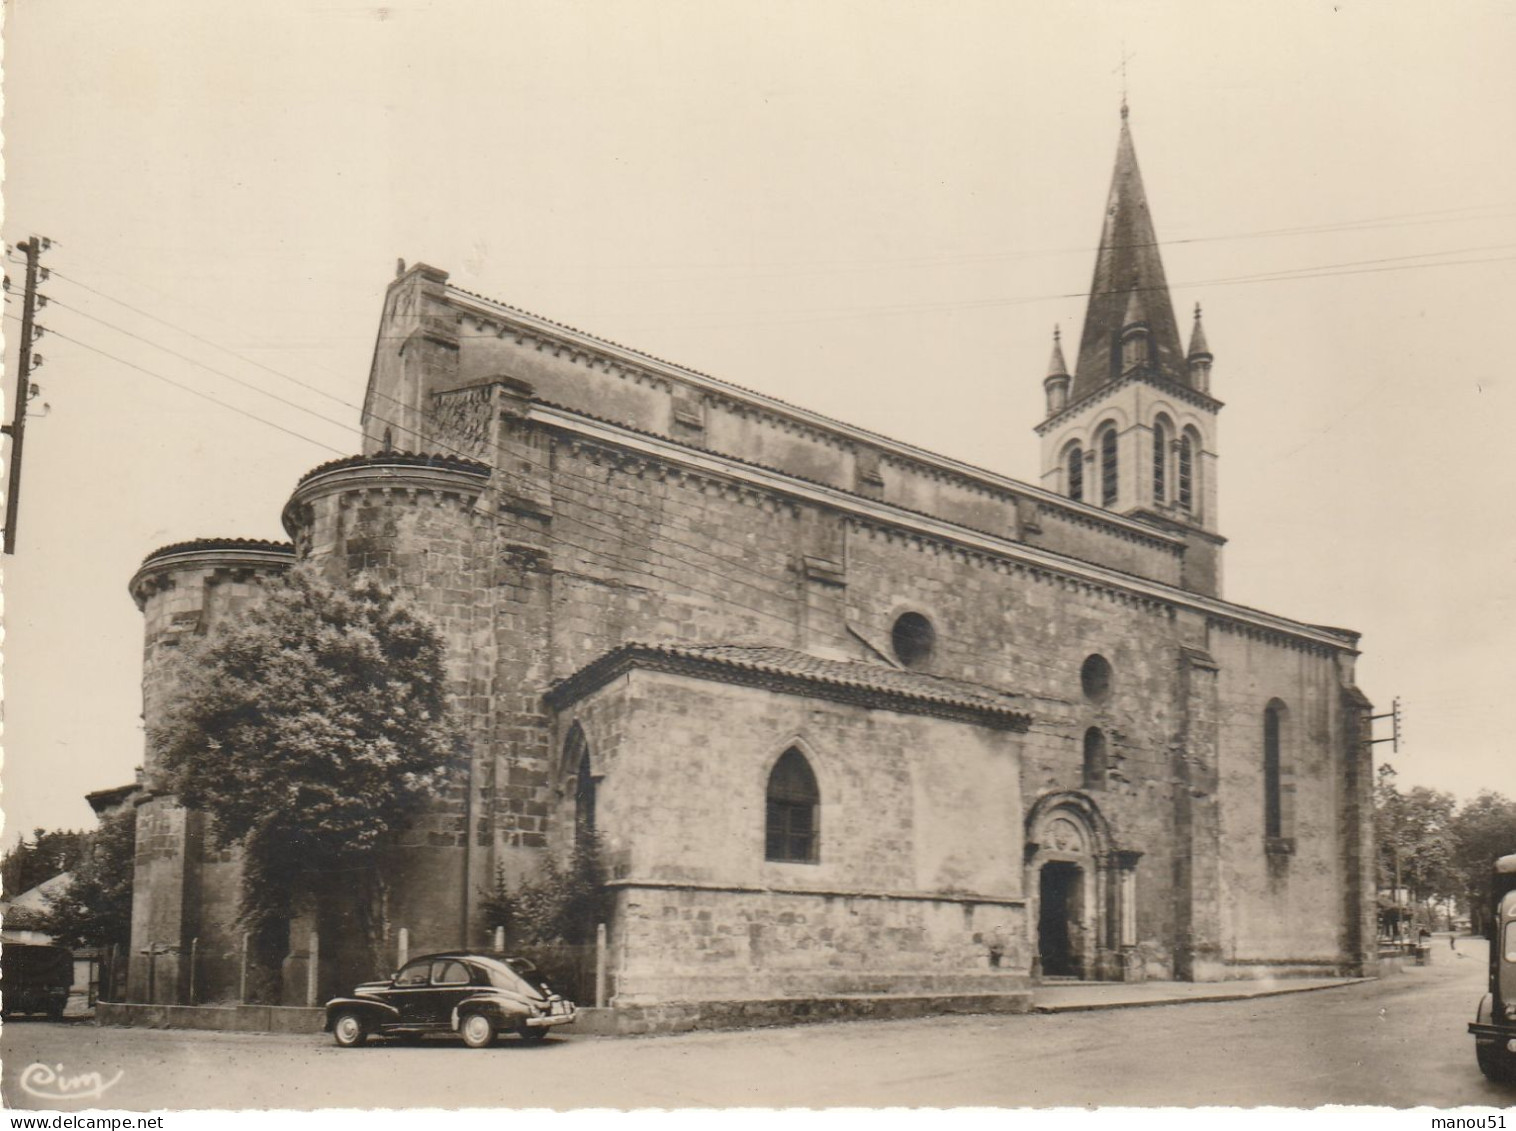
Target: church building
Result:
[[861, 727]]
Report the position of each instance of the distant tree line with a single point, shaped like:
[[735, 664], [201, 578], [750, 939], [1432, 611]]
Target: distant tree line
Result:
[[47, 854], [1437, 851]]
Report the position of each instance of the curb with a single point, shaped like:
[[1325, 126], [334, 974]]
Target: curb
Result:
[[1085, 1007]]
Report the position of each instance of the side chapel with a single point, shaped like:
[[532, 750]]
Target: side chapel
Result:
[[856, 722]]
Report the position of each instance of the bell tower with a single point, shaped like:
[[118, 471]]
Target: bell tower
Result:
[[1133, 428]]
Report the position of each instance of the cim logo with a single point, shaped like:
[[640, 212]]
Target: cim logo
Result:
[[50, 1082]]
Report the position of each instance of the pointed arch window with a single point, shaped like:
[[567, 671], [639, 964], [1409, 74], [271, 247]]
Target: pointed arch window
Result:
[[793, 810], [576, 760], [1278, 783], [1108, 467], [1187, 472], [1076, 473], [1160, 461]]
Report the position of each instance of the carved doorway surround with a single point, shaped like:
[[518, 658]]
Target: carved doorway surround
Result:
[[1084, 918]]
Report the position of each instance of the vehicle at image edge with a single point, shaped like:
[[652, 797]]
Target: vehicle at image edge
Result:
[[477, 996], [1494, 1027], [36, 979]]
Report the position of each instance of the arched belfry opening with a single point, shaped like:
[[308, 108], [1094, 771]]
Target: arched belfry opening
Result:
[[1085, 914]]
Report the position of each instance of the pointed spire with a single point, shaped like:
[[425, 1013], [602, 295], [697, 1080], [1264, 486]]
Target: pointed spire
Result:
[[1057, 367], [1199, 359], [1198, 346], [1128, 269], [1056, 383]]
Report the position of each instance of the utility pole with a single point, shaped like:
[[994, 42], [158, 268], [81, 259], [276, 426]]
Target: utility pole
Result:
[[16, 429], [1394, 735]]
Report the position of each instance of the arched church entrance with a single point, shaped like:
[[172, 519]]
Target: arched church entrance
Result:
[[1060, 918], [1086, 922]]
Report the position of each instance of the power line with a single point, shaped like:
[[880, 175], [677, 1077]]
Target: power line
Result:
[[208, 368], [196, 392], [196, 337]]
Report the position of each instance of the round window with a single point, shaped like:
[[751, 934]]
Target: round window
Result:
[[1095, 678], [913, 638]]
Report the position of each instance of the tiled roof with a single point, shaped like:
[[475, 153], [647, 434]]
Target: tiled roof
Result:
[[401, 459], [786, 669], [205, 545]]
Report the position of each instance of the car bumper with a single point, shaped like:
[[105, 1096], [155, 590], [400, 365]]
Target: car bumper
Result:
[[550, 1019], [1493, 1032]]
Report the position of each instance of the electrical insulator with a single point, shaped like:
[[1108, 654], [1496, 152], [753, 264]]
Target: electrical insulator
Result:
[[43, 274], [41, 301]]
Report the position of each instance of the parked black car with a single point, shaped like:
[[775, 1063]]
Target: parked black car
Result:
[[477, 996]]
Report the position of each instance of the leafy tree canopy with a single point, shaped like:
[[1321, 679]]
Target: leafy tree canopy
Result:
[[96, 909], [1484, 830], [309, 729], [47, 854], [1416, 838]]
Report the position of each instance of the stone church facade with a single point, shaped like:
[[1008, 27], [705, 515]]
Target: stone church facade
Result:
[[854, 721]]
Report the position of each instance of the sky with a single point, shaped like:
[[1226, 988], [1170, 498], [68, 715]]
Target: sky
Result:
[[876, 210]]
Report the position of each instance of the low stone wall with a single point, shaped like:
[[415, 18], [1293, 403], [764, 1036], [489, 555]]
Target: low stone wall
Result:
[[664, 1017], [226, 1018], [682, 1017]]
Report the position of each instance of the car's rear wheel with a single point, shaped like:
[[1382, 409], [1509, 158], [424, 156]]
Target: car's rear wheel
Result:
[[477, 1031], [349, 1031]]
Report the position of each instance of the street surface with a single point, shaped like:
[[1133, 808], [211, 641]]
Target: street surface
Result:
[[1398, 1042]]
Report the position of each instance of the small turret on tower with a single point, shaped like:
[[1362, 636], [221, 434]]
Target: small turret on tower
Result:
[[1136, 343], [1056, 383], [1199, 357]]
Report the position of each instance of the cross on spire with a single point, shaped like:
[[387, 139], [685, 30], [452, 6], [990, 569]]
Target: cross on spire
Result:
[[1125, 56]]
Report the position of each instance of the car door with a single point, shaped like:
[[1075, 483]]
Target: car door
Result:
[[452, 981], [410, 994]]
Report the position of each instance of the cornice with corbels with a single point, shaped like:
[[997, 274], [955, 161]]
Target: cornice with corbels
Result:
[[644, 467], [1271, 636], [882, 532], [1184, 393]]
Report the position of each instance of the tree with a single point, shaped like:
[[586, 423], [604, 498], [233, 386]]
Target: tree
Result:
[[559, 904], [311, 729], [48, 854], [96, 909], [1485, 829], [1416, 839]]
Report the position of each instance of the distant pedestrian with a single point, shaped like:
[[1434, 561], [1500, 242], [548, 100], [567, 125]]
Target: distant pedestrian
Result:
[[1452, 940]]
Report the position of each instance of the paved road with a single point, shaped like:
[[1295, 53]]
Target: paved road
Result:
[[1399, 1042]]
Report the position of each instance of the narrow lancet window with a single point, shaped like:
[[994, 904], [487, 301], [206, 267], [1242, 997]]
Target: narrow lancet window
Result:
[[1187, 473], [792, 811], [1160, 462], [1108, 468], [1076, 473]]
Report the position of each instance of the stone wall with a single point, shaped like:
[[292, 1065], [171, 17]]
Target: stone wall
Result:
[[1285, 900], [185, 890], [920, 845], [436, 339]]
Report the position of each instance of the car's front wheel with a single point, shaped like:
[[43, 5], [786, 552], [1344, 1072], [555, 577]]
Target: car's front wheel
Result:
[[477, 1031], [1495, 1062], [349, 1031]]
